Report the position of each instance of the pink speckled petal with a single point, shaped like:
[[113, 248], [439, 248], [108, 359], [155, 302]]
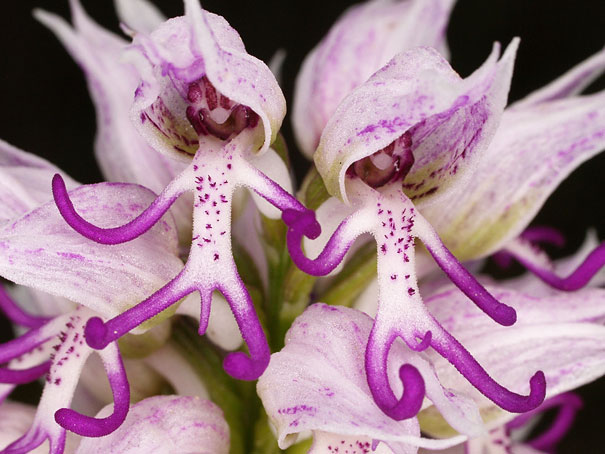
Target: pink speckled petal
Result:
[[24, 181], [361, 41], [538, 145], [122, 153], [317, 382], [178, 424], [40, 250], [449, 120]]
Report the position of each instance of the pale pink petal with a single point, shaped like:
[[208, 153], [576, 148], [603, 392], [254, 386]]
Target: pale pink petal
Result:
[[25, 181], [139, 15], [42, 251], [318, 383], [162, 424]]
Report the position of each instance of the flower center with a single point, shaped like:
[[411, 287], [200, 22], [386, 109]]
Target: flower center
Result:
[[392, 163], [212, 113]]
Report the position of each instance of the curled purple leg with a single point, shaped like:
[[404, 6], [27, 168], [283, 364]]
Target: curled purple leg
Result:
[[16, 314], [116, 235], [98, 333], [465, 281], [576, 280], [544, 234], [20, 376], [238, 364], [568, 403], [332, 254], [30, 340], [448, 347], [410, 402], [99, 427]]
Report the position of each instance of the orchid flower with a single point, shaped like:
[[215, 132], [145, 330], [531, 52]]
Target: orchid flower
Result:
[[404, 139], [204, 100], [41, 251], [317, 382], [361, 41], [160, 424]]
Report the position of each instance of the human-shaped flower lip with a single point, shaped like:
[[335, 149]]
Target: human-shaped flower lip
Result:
[[198, 79], [199, 59], [415, 109]]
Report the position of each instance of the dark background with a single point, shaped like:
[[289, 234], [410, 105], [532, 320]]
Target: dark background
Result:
[[45, 106]]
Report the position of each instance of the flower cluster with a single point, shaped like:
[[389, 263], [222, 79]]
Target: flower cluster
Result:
[[359, 304]]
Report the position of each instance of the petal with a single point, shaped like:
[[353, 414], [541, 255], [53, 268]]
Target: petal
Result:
[[122, 153], [183, 50], [24, 181], [273, 167], [165, 424], [362, 40], [535, 148], [15, 418], [452, 309], [572, 83], [40, 303], [449, 120], [317, 382], [139, 15], [40, 250], [569, 354], [328, 443]]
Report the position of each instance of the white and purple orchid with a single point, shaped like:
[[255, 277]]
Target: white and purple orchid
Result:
[[404, 150], [203, 99]]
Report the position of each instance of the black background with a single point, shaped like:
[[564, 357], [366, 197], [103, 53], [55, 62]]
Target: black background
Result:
[[45, 106]]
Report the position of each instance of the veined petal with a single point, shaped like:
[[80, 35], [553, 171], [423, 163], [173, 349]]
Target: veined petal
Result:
[[122, 153], [536, 146], [15, 418], [361, 41], [418, 104], [197, 65], [165, 424], [40, 250], [317, 382], [452, 309], [569, 354], [24, 181]]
